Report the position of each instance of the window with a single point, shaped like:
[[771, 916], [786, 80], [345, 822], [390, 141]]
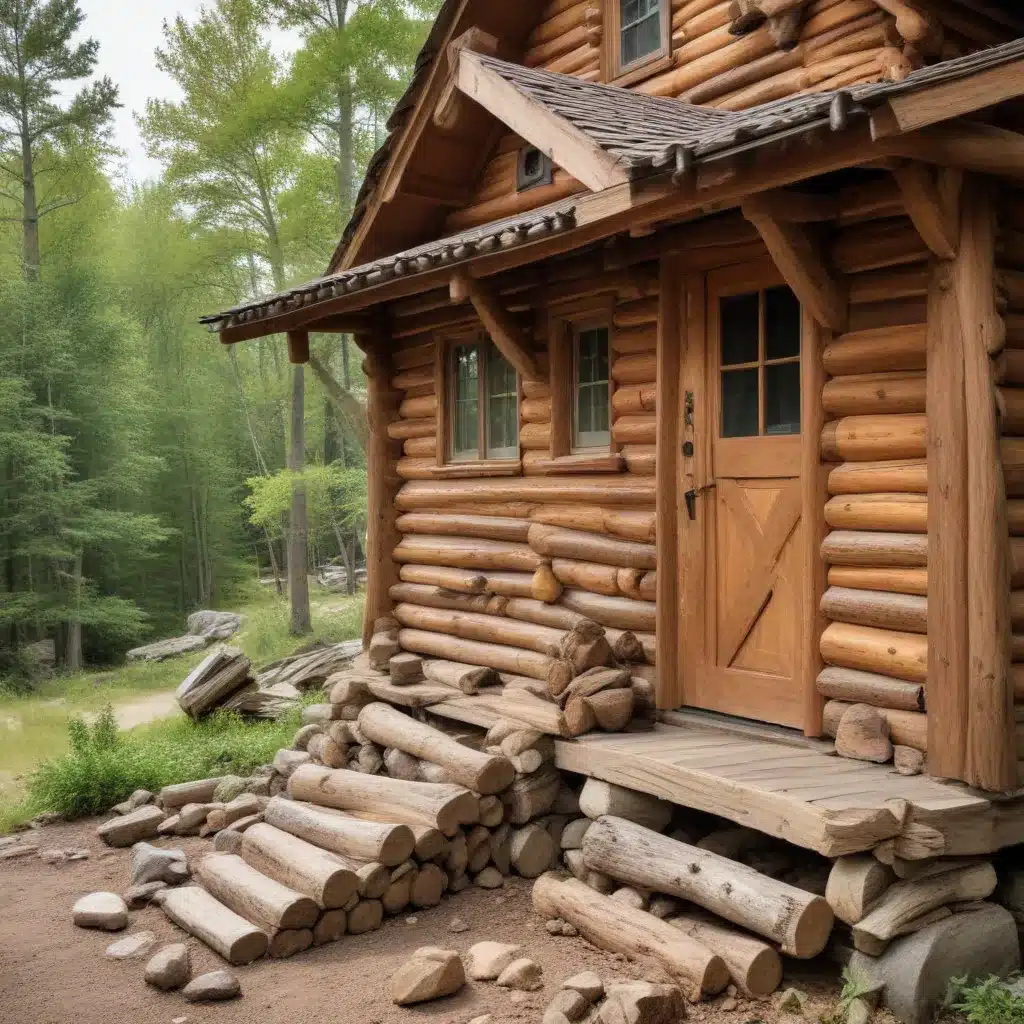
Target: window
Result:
[[591, 387], [532, 169], [484, 403], [760, 363], [638, 39]]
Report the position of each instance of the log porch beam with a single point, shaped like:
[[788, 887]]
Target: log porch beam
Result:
[[567, 146], [504, 331], [790, 207], [968, 145], [802, 264], [933, 204]]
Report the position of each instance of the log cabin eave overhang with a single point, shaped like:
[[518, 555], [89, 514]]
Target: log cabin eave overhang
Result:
[[689, 165]]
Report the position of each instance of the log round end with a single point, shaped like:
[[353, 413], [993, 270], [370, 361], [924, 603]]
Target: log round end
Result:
[[338, 889], [495, 776], [811, 931], [463, 809], [716, 976], [247, 948], [764, 973], [302, 913], [374, 882], [397, 847]]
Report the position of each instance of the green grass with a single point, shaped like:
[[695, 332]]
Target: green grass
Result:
[[34, 728], [986, 1002]]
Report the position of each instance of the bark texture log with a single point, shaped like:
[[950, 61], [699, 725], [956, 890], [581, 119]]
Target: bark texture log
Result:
[[197, 912]]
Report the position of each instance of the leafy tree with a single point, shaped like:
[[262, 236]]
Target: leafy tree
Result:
[[36, 57]]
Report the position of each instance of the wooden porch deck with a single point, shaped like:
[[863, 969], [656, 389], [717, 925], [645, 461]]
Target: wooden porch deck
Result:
[[784, 786]]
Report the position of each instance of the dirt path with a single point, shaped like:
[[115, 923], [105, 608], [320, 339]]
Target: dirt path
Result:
[[53, 973], [144, 710]]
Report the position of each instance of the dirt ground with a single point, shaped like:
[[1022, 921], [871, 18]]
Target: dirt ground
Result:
[[54, 973]]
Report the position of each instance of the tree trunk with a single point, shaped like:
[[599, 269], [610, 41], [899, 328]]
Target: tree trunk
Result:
[[73, 651], [31, 257], [298, 581]]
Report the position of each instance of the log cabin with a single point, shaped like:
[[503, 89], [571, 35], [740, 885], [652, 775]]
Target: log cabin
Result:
[[697, 319]]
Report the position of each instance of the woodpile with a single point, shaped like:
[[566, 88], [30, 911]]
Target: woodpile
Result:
[[218, 677]]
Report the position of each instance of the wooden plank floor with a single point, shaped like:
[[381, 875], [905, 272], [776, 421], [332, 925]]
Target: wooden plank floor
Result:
[[808, 797]]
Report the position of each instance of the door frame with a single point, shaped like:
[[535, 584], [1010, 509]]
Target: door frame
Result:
[[696, 472]]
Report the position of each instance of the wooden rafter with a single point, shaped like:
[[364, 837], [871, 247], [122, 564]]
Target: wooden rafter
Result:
[[568, 147], [793, 207], [934, 210], [501, 327], [802, 263]]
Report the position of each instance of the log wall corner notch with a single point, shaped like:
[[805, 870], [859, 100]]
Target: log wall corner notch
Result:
[[798, 255], [500, 325]]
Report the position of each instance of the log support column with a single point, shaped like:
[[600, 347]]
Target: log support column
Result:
[[298, 531], [383, 483], [991, 757]]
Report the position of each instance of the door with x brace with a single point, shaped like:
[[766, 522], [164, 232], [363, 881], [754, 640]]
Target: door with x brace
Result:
[[748, 574]]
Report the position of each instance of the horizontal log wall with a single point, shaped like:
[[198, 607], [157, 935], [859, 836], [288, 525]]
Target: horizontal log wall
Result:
[[509, 560], [1008, 374], [875, 642]]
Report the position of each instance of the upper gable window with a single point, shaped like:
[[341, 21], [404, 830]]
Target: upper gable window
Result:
[[533, 168], [638, 39]]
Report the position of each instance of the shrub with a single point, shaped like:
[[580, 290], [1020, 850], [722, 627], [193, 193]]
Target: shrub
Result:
[[987, 1002], [104, 766]]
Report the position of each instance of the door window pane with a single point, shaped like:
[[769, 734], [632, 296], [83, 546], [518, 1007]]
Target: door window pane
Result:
[[502, 406], [741, 326], [465, 415], [782, 399], [592, 397], [739, 403], [781, 324]]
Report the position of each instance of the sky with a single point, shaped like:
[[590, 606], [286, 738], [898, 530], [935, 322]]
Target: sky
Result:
[[128, 33]]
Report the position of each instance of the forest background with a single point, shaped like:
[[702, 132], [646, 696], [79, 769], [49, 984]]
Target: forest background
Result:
[[142, 464]]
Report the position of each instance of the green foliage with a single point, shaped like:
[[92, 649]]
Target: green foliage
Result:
[[986, 1002], [104, 767]]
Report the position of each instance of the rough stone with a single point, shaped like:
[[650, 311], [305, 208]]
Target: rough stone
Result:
[[792, 1000], [53, 857], [168, 825], [153, 864], [258, 785], [227, 841], [431, 973], [129, 829], [214, 625], [458, 925], [132, 947], [191, 818], [554, 926], [103, 910], [641, 1002], [916, 969], [552, 1015], [228, 788], [214, 987], [729, 1003], [305, 734], [286, 761], [490, 878], [524, 975], [139, 896], [482, 1019], [169, 968], [486, 960], [569, 930], [587, 983], [907, 760], [570, 1003], [863, 734], [663, 907], [79, 854]]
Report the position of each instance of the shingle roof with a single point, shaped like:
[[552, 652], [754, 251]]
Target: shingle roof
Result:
[[647, 131], [645, 134]]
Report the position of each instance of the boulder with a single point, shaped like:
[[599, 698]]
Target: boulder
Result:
[[286, 761], [523, 975], [432, 973], [587, 983], [490, 878], [641, 1002], [132, 947], [191, 818], [214, 987], [139, 896], [486, 960], [103, 910], [214, 625], [128, 829], [228, 841], [863, 734], [169, 967], [907, 760], [153, 864], [458, 925], [570, 1004], [916, 969], [163, 649]]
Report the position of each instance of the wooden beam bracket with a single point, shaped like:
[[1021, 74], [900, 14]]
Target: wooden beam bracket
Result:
[[501, 327], [449, 104], [933, 204], [802, 263]]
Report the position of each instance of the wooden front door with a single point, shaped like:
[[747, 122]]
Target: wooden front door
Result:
[[743, 597]]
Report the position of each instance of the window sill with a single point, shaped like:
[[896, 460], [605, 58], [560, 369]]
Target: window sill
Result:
[[488, 467], [641, 72], [603, 462]]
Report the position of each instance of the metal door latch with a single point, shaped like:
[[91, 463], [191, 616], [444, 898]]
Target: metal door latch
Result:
[[690, 497]]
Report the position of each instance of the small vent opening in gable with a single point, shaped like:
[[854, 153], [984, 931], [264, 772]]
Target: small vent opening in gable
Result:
[[534, 168]]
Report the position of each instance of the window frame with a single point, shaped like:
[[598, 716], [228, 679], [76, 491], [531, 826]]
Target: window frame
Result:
[[613, 71], [525, 183], [576, 329], [447, 456]]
